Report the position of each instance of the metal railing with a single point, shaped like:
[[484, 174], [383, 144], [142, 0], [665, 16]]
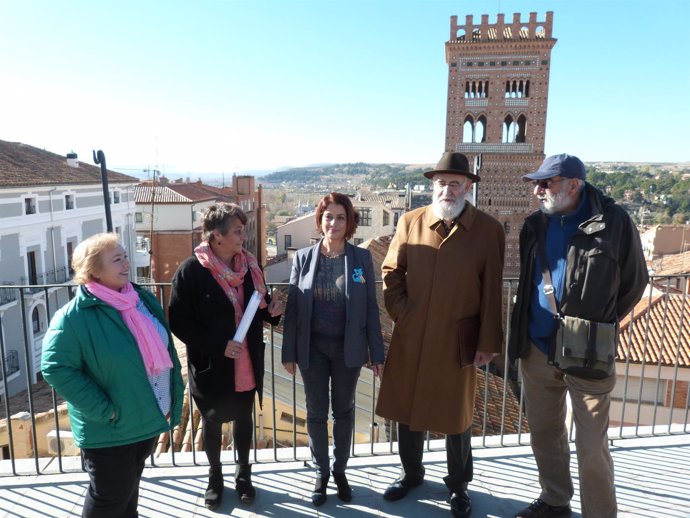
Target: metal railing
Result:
[[56, 276], [10, 365], [633, 412]]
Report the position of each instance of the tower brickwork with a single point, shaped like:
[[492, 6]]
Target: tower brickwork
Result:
[[498, 85]]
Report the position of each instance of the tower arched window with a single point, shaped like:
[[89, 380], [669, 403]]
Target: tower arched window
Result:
[[521, 129], [480, 129], [468, 130], [509, 129]]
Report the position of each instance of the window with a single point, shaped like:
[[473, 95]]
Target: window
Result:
[[288, 241], [358, 241], [138, 217], [70, 253], [69, 201], [386, 218], [116, 196], [29, 205], [287, 418], [31, 267], [36, 320], [364, 217]]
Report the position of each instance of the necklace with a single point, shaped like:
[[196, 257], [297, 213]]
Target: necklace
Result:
[[331, 253]]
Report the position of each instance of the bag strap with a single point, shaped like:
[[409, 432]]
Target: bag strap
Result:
[[549, 289], [591, 353]]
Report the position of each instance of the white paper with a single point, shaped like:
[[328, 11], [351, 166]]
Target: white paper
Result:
[[247, 317]]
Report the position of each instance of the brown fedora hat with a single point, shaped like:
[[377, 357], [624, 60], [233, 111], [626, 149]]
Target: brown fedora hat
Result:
[[453, 163]]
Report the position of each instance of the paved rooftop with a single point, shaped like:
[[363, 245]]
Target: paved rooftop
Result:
[[652, 480]]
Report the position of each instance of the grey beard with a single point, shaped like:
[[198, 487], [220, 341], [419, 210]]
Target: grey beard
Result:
[[556, 204], [448, 212]]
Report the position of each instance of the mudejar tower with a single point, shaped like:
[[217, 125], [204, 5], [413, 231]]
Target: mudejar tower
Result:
[[498, 84]]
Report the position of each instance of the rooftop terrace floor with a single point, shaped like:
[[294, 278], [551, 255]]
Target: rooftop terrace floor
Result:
[[652, 480]]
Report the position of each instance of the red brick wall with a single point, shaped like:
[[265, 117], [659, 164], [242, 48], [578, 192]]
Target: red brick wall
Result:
[[169, 250], [678, 399]]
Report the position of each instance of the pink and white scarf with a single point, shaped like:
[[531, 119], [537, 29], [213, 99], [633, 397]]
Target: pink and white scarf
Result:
[[228, 277], [154, 353]]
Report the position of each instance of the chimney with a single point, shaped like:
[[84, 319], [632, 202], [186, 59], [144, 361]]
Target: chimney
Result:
[[72, 159]]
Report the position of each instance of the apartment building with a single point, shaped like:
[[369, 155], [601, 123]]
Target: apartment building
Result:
[[48, 204]]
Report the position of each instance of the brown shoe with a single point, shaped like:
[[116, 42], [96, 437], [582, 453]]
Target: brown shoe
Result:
[[540, 509]]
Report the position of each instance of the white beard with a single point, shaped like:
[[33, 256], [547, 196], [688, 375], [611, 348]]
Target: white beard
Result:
[[448, 210], [554, 204]]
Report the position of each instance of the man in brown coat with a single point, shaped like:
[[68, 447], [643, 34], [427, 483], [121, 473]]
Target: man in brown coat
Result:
[[442, 287]]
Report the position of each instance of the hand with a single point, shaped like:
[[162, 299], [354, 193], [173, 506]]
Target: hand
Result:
[[275, 308], [291, 367], [233, 349], [482, 358], [377, 369]]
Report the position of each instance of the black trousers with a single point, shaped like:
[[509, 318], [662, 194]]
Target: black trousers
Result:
[[458, 457], [236, 407], [114, 476]]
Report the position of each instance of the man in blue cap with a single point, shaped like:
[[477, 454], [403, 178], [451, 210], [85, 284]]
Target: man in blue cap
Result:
[[595, 271]]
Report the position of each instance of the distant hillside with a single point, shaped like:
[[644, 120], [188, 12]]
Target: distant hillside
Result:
[[651, 192], [373, 175]]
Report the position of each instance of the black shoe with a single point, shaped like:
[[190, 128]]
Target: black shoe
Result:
[[318, 496], [460, 505], [243, 483], [344, 489], [540, 509], [400, 487], [214, 491]]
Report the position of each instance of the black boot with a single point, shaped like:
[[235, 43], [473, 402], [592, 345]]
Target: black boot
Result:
[[214, 492], [344, 489], [243, 483], [318, 496]]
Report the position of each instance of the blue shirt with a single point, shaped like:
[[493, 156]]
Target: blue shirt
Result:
[[559, 231]]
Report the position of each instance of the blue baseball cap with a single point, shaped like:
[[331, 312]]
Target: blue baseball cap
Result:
[[567, 166]]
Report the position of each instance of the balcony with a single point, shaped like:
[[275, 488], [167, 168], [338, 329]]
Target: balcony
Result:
[[45, 281], [651, 481], [8, 294], [10, 366], [651, 456]]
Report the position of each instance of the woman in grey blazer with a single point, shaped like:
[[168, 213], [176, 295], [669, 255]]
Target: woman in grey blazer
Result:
[[332, 328]]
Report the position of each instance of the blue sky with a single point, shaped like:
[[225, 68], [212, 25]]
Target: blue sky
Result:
[[209, 86]]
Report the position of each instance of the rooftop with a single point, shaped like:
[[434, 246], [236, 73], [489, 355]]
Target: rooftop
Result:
[[23, 165], [651, 481]]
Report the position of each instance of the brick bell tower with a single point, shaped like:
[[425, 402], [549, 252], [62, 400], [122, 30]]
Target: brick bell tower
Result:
[[498, 85]]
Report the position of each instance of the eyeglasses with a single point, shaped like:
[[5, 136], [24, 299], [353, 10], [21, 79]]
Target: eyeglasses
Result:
[[547, 184], [453, 185]]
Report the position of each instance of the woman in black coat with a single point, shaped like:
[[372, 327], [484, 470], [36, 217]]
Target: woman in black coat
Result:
[[210, 292]]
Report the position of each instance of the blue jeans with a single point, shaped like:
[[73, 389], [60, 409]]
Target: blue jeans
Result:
[[327, 362]]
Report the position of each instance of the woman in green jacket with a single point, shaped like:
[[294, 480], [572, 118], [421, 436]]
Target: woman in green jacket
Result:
[[109, 353]]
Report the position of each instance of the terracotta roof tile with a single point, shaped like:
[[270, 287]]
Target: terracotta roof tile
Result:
[[24, 165], [672, 264], [659, 332], [172, 193]]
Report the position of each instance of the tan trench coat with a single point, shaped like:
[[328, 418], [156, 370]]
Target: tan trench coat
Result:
[[431, 283]]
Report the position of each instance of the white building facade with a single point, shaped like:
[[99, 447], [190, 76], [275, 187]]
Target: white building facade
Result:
[[40, 226]]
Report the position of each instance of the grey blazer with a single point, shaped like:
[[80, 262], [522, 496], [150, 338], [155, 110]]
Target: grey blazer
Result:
[[363, 341]]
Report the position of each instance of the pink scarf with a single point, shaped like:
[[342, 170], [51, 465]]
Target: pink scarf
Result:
[[154, 353], [228, 278]]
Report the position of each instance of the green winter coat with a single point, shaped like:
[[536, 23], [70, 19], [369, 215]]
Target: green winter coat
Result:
[[92, 360]]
